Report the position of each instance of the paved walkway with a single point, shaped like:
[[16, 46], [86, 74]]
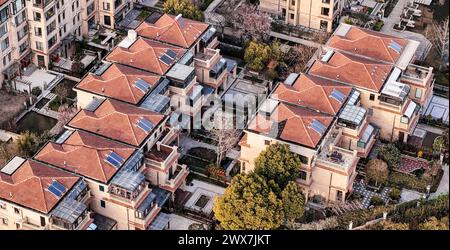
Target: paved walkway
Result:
[[361, 189], [443, 186], [178, 222], [294, 39], [187, 143], [393, 19]]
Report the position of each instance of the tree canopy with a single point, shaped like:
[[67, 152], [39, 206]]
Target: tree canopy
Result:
[[184, 7], [293, 202], [279, 164], [257, 55], [248, 203], [377, 171], [390, 154]]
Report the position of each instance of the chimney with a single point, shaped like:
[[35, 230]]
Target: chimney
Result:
[[10, 195], [132, 35], [178, 17], [103, 90]]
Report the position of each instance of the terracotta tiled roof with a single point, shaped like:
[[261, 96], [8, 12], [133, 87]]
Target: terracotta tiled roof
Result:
[[27, 186], [294, 124], [118, 82], [357, 71], [85, 154], [313, 92], [144, 54], [167, 29], [368, 43], [116, 120]]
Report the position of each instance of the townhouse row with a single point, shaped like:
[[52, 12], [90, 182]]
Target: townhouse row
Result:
[[363, 85], [122, 143]]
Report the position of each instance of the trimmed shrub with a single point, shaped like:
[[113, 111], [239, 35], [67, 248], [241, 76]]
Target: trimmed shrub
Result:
[[376, 201], [395, 194]]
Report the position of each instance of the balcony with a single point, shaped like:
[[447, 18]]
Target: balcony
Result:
[[128, 187], [174, 181], [70, 215], [162, 156], [28, 225], [418, 75], [332, 155], [206, 59]]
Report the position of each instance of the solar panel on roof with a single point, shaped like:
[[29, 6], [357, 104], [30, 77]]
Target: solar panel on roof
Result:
[[170, 53], [145, 125], [114, 159], [395, 46], [54, 191], [59, 186], [165, 59], [142, 85], [64, 136], [336, 94], [318, 127]]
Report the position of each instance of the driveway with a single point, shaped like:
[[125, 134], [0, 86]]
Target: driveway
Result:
[[393, 19]]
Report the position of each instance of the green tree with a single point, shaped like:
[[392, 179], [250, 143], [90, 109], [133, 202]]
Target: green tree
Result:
[[278, 164], [256, 55], [377, 171], [248, 203], [184, 7], [390, 154], [293, 202]]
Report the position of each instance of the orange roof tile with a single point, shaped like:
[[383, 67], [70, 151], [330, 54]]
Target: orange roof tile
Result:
[[27, 186], [357, 71], [312, 92], [116, 120], [183, 33], [293, 124], [144, 54], [368, 43], [118, 82], [84, 153]]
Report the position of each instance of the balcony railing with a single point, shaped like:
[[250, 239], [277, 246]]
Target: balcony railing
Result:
[[174, 180]]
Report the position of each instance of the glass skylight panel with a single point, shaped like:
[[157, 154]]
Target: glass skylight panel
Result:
[[165, 59], [142, 85], [354, 97], [395, 46], [93, 105], [145, 125], [318, 127], [101, 69], [336, 94], [170, 53], [64, 136]]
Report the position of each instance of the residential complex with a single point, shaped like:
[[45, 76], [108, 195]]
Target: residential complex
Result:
[[314, 14], [122, 143], [362, 86]]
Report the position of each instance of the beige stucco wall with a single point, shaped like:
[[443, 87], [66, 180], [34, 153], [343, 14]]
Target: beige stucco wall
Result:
[[32, 216]]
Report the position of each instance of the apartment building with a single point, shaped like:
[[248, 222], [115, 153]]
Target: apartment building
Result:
[[34, 196], [314, 14], [14, 42], [362, 86], [111, 12]]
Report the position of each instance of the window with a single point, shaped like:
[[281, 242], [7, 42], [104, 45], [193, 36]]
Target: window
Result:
[[2, 205], [21, 18], [52, 41], [370, 112], [22, 33], [302, 175], [4, 14], [23, 47], [39, 45], [73, 7], [323, 24], [16, 210], [3, 30], [418, 93], [42, 222], [266, 142], [5, 44], [404, 120], [18, 5], [4, 221], [292, 2], [292, 16], [283, 12], [372, 97], [303, 159], [37, 31], [101, 188], [106, 6], [90, 8], [107, 20], [325, 1], [325, 11], [102, 203], [37, 16]]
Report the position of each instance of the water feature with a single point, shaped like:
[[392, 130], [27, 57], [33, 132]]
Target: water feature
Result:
[[35, 122], [42, 103]]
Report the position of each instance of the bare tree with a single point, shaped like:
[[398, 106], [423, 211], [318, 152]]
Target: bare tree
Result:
[[225, 134], [62, 92], [250, 22], [65, 113], [298, 56], [7, 151], [438, 34]]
